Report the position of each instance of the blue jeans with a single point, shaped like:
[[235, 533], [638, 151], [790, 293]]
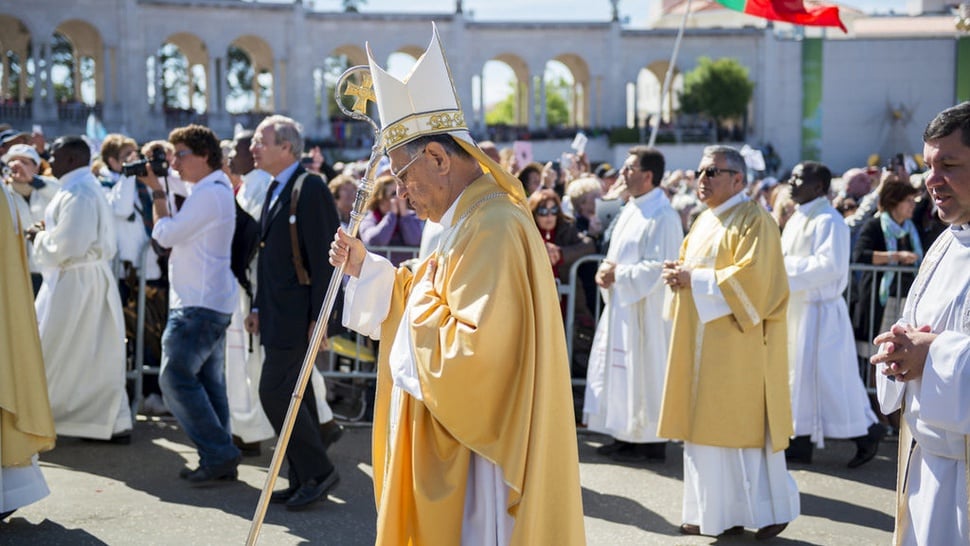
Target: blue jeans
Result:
[[193, 380]]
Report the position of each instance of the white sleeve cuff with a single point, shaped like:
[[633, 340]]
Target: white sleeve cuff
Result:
[[367, 299], [708, 299]]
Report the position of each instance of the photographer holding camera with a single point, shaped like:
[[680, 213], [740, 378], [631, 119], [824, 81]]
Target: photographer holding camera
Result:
[[131, 202], [202, 296]]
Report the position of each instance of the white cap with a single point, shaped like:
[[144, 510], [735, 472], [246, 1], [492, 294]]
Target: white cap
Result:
[[22, 150], [425, 103]]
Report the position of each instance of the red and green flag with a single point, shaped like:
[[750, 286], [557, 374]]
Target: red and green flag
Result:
[[790, 11]]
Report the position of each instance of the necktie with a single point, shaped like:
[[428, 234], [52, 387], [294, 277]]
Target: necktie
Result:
[[264, 216]]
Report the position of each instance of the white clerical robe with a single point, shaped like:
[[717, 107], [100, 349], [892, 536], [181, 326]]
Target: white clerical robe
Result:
[[244, 353], [485, 520], [628, 361], [725, 487], [79, 314], [21, 485], [828, 396], [936, 406]]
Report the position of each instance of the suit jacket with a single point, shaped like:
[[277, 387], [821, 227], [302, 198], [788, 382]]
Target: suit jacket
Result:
[[286, 308]]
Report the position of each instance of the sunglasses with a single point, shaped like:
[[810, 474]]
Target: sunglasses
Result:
[[547, 211], [712, 172]]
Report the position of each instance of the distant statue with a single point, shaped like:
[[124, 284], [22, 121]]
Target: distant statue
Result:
[[616, 9], [458, 7]]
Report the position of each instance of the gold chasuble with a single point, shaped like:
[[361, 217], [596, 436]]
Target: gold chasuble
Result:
[[490, 351], [727, 380], [26, 425]]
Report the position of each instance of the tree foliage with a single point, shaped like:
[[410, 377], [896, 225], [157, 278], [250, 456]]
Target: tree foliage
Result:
[[239, 77], [719, 89], [557, 105], [353, 6]]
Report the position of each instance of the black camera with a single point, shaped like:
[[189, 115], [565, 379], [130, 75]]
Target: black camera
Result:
[[158, 162]]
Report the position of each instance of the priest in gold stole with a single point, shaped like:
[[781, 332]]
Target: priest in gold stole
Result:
[[726, 393], [474, 439], [26, 425]]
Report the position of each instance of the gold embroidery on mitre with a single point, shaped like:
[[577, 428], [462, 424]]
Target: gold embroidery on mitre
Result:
[[394, 134], [446, 121], [418, 125]]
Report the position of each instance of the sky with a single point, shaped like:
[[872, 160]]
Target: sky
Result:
[[551, 10]]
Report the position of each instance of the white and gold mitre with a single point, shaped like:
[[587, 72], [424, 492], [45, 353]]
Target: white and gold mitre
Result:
[[425, 103]]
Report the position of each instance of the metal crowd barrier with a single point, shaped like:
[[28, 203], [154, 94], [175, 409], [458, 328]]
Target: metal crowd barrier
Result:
[[136, 374], [872, 328], [568, 291]]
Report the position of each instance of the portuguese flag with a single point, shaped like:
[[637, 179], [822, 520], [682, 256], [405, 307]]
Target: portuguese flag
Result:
[[790, 11]]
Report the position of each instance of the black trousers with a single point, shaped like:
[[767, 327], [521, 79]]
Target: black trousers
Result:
[[305, 453]]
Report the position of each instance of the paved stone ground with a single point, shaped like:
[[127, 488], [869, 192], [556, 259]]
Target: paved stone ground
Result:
[[107, 494]]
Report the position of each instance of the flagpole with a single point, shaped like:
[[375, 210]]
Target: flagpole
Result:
[[665, 90]]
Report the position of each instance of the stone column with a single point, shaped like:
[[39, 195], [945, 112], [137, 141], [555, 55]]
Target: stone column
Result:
[[77, 77], [36, 110], [5, 78], [104, 93], [159, 84], [49, 84], [543, 113], [481, 98]]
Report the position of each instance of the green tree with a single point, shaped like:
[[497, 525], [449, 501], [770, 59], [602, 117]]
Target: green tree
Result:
[[719, 89], [62, 64], [239, 79], [353, 6], [557, 107]]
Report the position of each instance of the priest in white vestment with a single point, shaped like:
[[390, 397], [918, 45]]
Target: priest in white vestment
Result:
[[923, 365], [726, 392], [78, 307], [829, 399], [628, 361], [26, 426]]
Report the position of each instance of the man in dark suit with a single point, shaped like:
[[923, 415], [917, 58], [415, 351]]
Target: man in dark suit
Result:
[[288, 300]]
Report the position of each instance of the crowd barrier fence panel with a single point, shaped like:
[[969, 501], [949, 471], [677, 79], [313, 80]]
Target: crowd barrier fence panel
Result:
[[568, 291]]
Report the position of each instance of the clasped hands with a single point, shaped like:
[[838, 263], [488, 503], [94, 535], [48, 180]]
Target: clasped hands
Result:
[[903, 351], [676, 275]]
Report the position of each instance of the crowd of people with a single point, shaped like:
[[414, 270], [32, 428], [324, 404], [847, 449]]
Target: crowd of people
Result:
[[717, 292]]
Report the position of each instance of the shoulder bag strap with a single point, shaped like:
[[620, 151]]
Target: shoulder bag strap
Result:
[[301, 273]]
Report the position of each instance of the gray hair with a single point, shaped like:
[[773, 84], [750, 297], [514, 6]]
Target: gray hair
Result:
[[731, 156], [287, 130], [446, 140]]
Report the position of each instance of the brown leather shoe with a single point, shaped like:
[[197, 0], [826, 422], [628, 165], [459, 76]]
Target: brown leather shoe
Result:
[[770, 531], [690, 529]]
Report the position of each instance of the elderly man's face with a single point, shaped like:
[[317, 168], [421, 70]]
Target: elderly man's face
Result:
[[948, 178], [428, 192]]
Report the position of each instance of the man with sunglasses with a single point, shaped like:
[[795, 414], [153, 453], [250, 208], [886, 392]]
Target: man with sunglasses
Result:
[[474, 434], [726, 394], [628, 361]]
